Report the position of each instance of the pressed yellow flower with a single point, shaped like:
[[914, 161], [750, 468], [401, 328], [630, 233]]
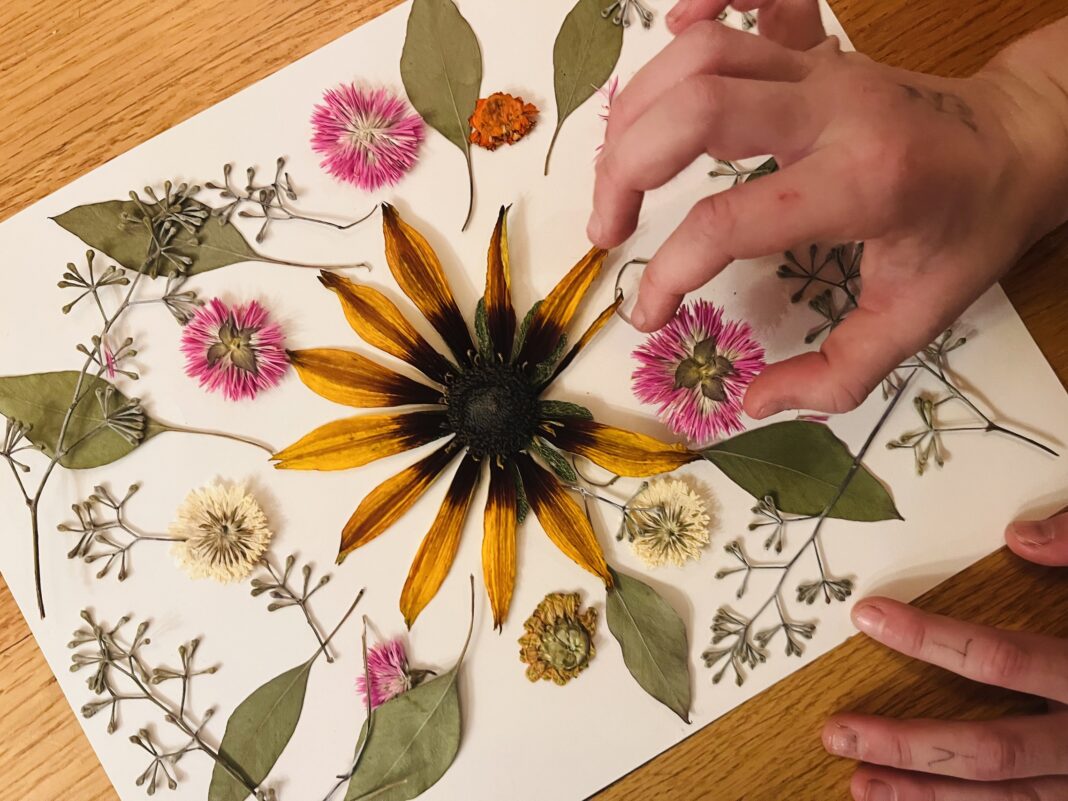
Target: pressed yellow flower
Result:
[[485, 402], [558, 643], [667, 522], [221, 533]]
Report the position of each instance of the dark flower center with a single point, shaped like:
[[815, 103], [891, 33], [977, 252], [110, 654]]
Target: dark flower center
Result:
[[706, 369], [493, 409]]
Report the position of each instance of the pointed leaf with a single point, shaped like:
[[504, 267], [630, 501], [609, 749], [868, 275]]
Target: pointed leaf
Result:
[[101, 226], [482, 334], [441, 67], [653, 639], [556, 461], [258, 732], [766, 168], [802, 464], [41, 401], [413, 742], [586, 51], [557, 409]]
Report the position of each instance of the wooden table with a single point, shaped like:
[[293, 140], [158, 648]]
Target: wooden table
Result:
[[82, 81]]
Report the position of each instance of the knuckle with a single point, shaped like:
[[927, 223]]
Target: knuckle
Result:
[[1023, 792], [703, 92], [912, 636], [846, 395], [708, 36], [716, 217], [900, 752], [1003, 662], [997, 757]]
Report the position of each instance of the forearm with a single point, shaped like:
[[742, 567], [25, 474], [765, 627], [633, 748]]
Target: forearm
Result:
[[1033, 73]]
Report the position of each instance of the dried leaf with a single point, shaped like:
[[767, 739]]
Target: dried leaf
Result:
[[41, 400], [584, 56], [653, 639], [441, 67], [258, 731], [766, 168], [101, 226], [802, 464], [557, 409], [556, 461]]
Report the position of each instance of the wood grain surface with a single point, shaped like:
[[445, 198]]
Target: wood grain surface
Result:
[[81, 82]]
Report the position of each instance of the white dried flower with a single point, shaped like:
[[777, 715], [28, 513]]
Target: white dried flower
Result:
[[668, 522], [222, 532]]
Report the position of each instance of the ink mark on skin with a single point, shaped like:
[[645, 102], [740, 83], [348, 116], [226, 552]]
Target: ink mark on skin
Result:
[[944, 103], [947, 756], [963, 652]]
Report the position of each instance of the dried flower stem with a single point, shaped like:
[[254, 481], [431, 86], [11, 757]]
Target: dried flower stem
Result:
[[748, 647], [220, 434], [284, 596]]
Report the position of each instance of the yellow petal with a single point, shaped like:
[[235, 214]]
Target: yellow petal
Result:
[[385, 504], [355, 441], [622, 452], [354, 380], [500, 316], [438, 548], [590, 333], [498, 542], [562, 518], [379, 323], [555, 313], [416, 267]]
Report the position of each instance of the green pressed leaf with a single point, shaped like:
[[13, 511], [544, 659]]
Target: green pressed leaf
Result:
[[767, 168], [41, 401], [482, 334], [258, 732], [802, 464], [653, 639], [524, 327], [586, 51], [522, 505], [441, 67], [556, 461], [413, 742], [557, 409], [100, 226]]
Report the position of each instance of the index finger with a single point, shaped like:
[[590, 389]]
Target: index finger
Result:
[[1015, 660]]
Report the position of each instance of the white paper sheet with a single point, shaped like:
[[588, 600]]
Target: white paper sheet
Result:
[[600, 726]]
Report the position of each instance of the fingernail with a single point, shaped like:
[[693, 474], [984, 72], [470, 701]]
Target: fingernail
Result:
[[676, 12], [639, 318], [878, 791], [1034, 533], [843, 741], [594, 228], [869, 618]]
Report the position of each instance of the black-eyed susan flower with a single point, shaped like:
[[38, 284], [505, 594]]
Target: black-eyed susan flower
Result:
[[485, 402]]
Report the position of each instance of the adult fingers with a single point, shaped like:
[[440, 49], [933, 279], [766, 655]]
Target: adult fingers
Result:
[[806, 203], [686, 12], [1010, 748], [854, 358], [792, 23], [883, 784], [1016, 660], [707, 48], [730, 117], [1041, 541]]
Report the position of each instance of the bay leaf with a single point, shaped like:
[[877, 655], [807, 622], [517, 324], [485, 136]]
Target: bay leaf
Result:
[[441, 67], [100, 226], [802, 464], [586, 51], [652, 637], [41, 401], [258, 731]]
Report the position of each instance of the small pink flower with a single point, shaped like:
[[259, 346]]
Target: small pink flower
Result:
[[109, 361], [387, 672], [696, 370], [235, 350], [608, 92], [367, 138]]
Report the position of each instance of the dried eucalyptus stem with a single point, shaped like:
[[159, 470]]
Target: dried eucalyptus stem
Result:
[[284, 596], [838, 270], [748, 647], [271, 200]]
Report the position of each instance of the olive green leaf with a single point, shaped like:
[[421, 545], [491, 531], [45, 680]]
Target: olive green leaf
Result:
[[107, 227], [802, 465], [104, 425], [258, 732], [413, 738], [653, 639], [556, 461], [557, 410], [766, 168], [441, 67], [586, 51], [482, 334]]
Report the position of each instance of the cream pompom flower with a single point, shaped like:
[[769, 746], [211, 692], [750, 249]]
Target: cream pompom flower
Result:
[[667, 521], [221, 532]]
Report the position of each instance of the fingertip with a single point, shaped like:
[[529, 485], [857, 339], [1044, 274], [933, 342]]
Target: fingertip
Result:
[[1042, 541], [653, 310], [869, 615]]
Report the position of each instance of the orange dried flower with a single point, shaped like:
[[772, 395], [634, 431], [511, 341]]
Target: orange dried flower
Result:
[[501, 119]]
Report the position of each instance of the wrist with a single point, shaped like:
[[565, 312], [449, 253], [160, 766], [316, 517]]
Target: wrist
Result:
[[1031, 97]]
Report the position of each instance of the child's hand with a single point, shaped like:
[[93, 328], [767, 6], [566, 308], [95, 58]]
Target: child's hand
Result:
[[946, 181], [930, 760]]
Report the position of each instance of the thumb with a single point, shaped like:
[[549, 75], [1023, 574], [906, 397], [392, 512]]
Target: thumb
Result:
[[1042, 541]]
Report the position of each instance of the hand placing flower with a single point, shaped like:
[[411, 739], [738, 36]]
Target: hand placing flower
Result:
[[927, 760]]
